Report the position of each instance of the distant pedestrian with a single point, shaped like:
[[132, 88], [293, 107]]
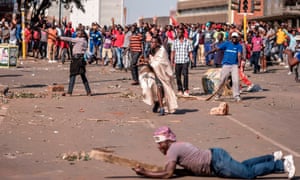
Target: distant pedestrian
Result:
[[43, 42], [52, 35], [232, 58], [181, 57], [136, 49], [77, 66]]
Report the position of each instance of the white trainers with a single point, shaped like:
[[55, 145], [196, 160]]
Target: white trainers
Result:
[[217, 97], [237, 99], [289, 166], [250, 88], [179, 93], [186, 93], [289, 73], [277, 155]]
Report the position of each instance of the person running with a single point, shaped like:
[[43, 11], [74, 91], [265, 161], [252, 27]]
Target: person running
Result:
[[213, 162]]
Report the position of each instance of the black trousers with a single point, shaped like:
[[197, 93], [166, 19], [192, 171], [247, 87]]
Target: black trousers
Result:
[[182, 69]]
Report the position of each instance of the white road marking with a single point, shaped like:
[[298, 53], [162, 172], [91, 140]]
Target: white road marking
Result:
[[281, 146], [150, 123], [3, 111]]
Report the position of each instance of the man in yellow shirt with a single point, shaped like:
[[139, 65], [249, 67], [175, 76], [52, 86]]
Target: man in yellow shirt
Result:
[[280, 40]]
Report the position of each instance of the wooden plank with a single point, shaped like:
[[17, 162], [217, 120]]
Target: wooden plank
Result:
[[191, 97], [114, 159]]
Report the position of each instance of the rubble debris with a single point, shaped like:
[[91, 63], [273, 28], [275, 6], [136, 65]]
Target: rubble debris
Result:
[[222, 109], [75, 156], [129, 95], [4, 90], [55, 89]]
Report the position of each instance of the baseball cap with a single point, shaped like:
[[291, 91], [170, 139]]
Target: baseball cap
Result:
[[235, 34]]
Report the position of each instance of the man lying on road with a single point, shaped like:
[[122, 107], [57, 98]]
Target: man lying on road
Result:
[[214, 161]]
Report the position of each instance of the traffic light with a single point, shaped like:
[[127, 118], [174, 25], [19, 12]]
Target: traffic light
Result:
[[236, 5], [255, 5], [245, 5]]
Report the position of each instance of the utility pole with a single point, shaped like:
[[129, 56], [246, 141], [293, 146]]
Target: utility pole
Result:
[[23, 29], [59, 12], [245, 8]]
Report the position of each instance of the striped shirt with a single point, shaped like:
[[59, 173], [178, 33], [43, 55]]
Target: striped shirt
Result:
[[136, 43], [182, 50]]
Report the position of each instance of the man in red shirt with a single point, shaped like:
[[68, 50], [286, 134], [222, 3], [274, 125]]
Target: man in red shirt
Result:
[[118, 44]]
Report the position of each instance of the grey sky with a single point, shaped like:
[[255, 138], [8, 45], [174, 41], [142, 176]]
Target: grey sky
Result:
[[147, 8]]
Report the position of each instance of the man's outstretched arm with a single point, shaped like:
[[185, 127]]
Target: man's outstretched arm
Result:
[[166, 173]]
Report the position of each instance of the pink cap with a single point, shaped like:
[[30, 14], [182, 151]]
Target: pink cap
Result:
[[164, 133]]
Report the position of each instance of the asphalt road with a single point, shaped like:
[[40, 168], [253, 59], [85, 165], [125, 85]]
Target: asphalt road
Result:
[[35, 131]]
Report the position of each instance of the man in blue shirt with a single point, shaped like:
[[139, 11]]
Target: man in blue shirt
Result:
[[231, 60], [95, 39]]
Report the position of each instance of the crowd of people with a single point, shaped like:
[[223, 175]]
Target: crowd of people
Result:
[[187, 45], [152, 52]]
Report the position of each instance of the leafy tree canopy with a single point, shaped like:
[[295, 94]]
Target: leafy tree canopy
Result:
[[38, 10]]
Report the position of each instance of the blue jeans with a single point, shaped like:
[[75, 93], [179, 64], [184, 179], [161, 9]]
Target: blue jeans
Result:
[[147, 49], [280, 49], [195, 53], [255, 60], [84, 81], [119, 52], [207, 48], [223, 165]]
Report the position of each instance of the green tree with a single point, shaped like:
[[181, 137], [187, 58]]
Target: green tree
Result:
[[38, 10]]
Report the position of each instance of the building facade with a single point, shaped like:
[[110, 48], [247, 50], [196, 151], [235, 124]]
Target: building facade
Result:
[[201, 11], [100, 11], [282, 11], [195, 11]]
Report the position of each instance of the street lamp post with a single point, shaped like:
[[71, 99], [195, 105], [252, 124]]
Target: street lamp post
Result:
[[23, 30], [59, 12]]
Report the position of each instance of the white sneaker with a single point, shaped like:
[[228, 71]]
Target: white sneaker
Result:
[[289, 166], [289, 73], [217, 97], [50, 61], [186, 93], [277, 155], [237, 99], [179, 93], [250, 87]]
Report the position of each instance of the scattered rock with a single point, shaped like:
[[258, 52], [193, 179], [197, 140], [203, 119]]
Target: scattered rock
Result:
[[75, 156], [222, 109]]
